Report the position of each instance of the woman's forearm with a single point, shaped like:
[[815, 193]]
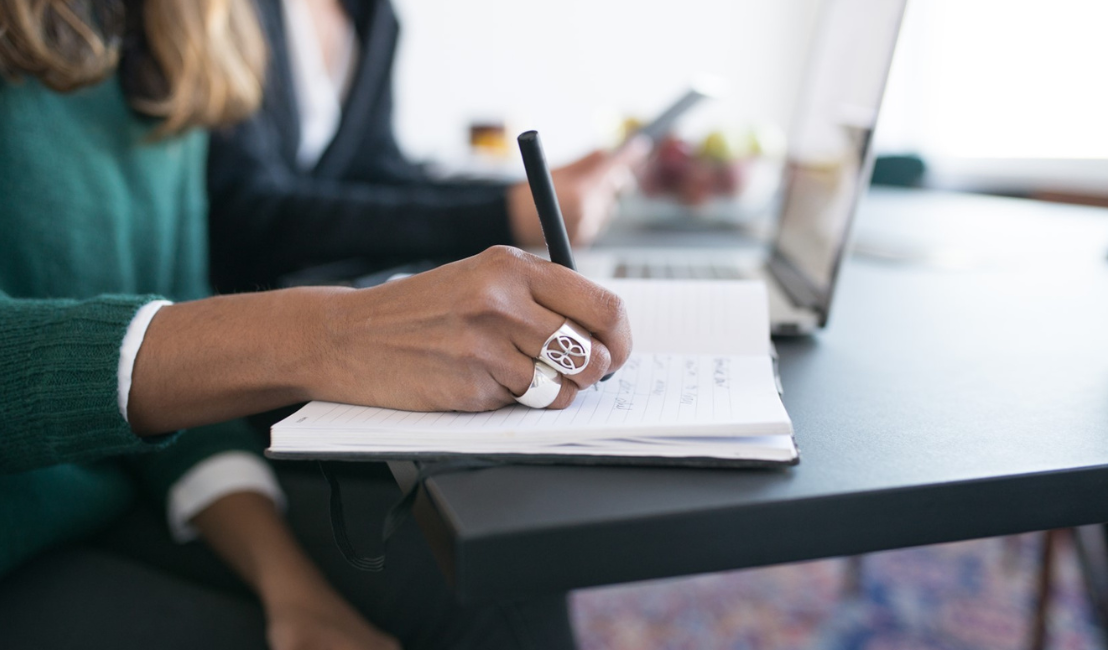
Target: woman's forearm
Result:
[[220, 358], [461, 337], [245, 530]]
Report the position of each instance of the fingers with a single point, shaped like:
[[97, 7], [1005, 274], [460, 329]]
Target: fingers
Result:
[[573, 296], [536, 328], [587, 164], [610, 169], [622, 161], [512, 304], [626, 161], [556, 289], [514, 372], [598, 365], [635, 151], [568, 388], [587, 189]]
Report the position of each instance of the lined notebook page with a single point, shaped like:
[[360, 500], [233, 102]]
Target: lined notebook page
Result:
[[652, 393], [696, 316]]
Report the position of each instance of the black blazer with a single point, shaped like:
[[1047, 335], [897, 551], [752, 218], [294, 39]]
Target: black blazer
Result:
[[362, 199]]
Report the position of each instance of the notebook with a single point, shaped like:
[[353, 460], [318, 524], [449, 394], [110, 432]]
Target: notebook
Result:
[[699, 388]]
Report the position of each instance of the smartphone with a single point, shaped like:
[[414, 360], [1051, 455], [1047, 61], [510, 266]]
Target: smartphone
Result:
[[700, 90]]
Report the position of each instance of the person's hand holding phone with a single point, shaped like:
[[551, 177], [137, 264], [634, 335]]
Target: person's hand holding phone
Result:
[[587, 189]]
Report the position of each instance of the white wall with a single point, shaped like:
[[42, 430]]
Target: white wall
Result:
[[1002, 79], [570, 68]]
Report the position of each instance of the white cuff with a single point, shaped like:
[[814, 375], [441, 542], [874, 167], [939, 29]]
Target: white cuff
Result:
[[220, 475], [130, 346]]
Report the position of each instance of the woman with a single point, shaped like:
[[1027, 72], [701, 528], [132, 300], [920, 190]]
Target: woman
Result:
[[102, 108], [316, 176]]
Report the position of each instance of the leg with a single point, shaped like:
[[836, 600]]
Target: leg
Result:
[[142, 536], [410, 598], [87, 598]]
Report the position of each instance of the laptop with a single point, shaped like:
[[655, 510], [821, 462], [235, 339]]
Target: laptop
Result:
[[827, 169]]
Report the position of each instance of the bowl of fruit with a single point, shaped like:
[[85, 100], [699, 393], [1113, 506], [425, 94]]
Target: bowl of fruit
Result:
[[695, 174], [716, 178]]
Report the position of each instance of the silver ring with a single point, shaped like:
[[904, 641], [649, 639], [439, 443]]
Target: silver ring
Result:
[[543, 390], [568, 350]]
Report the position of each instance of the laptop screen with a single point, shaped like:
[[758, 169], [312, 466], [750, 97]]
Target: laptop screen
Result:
[[843, 87]]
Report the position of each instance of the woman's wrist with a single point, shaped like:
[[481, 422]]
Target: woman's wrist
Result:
[[245, 529], [225, 357], [311, 317], [291, 579]]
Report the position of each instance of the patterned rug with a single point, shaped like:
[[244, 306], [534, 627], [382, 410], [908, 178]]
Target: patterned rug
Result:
[[976, 595]]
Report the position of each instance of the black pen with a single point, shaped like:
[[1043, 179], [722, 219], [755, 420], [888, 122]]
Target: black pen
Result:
[[544, 198], [548, 206]]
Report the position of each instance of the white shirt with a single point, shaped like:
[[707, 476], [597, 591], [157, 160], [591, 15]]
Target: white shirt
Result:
[[319, 88], [217, 476]]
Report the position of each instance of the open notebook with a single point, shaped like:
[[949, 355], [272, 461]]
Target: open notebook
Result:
[[698, 389]]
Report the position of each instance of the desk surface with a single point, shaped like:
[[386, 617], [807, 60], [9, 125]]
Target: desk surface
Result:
[[961, 395]]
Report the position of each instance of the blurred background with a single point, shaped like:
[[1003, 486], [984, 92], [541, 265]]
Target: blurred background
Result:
[[999, 96]]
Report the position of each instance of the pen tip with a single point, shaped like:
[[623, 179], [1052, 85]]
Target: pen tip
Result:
[[527, 136]]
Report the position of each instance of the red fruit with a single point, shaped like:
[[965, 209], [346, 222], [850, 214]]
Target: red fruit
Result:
[[698, 184], [672, 161]]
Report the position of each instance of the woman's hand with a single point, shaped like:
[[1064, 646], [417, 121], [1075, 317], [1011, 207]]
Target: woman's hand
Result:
[[303, 611], [464, 336], [587, 191], [312, 620]]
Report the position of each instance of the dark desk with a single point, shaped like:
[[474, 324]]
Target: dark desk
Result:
[[957, 396]]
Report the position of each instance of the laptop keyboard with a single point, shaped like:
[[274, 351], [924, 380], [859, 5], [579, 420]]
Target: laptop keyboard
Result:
[[678, 270]]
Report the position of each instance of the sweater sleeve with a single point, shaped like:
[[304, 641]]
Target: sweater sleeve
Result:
[[58, 381], [158, 471], [267, 219]]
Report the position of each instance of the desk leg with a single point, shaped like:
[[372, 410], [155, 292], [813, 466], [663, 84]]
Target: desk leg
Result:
[[1045, 575], [1091, 545], [853, 575]]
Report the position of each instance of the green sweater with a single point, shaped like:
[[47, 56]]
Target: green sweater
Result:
[[96, 219]]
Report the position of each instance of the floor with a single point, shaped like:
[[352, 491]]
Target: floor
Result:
[[976, 595]]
